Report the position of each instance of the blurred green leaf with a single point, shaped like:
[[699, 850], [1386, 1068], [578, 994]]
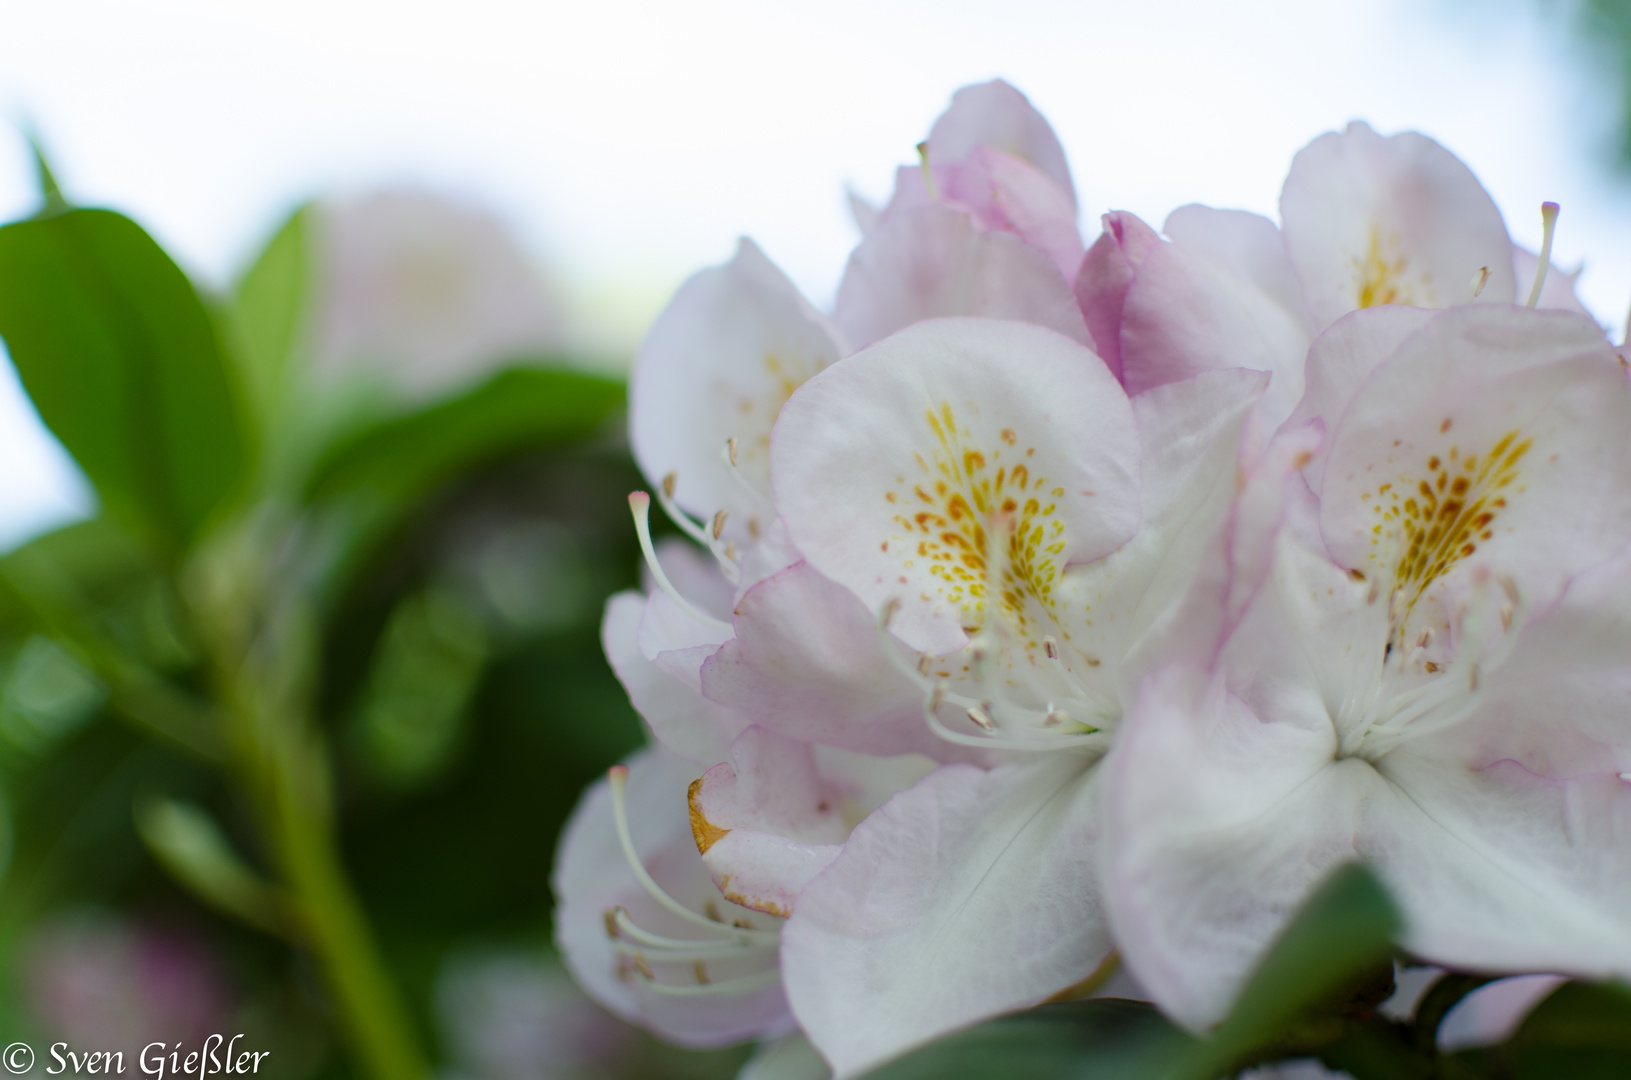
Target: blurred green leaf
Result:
[[1100, 1037], [427, 668], [1345, 931], [518, 409], [125, 367], [186, 840], [50, 193], [1581, 1031], [270, 302]]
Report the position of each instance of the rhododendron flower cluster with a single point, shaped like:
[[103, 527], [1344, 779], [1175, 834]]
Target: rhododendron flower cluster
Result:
[[1051, 605]]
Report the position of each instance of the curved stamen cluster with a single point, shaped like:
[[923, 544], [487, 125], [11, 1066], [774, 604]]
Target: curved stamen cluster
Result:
[[645, 954], [1408, 692], [1055, 708]]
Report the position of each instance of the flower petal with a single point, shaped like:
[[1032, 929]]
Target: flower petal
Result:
[[591, 878], [996, 115], [764, 821], [931, 261], [1222, 294], [1107, 272], [1372, 220], [1557, 291], [1217, 825], [971, 894], [887, 467], [720, 360], [1501, 869], [806, 661], [1002, 192], [678, 715], [1494, 437]]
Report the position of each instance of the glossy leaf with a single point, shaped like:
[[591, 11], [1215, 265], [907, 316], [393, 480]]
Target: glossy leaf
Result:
[[1100, 1037], [271, 303], [518, 409], [125, 366]]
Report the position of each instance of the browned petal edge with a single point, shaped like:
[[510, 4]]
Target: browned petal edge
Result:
[[707, 834]]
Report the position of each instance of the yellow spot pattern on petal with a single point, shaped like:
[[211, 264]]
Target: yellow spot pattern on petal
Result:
[[1434, 520], [1382, 276], [945, 512], [757, 413]]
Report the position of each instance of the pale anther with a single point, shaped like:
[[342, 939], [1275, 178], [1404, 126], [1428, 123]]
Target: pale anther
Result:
[[668, 483], [1051, 647], [981, 720], [1479, 280], [730, 450], [719, 522]]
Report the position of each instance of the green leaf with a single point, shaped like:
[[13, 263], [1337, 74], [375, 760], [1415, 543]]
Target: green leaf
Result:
[[518, 409], [1100, 1037], [125, 367], [186, 840], [1581, 1031], [1345, 931], [271, 302]]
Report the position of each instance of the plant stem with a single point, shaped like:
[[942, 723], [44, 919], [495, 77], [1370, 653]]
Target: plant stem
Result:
[[336, 928]]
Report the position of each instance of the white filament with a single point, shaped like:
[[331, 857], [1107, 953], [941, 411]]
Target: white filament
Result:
[[640, 504]]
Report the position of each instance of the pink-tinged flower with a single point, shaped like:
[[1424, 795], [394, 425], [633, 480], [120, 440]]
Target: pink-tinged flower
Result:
[[987, 226], [1013, 525], [642, 926], [1366, 221], [101, 983], [422, 293], [1406, 646], [673, 889]]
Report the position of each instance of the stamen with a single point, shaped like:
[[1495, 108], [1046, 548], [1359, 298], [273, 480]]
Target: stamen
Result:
[[728, 456], [745, 985], [1548, 218], [640, 504], [981, 720], [619, 777], [1479, 280], [1051, 647], [719, 522], [721, 554]]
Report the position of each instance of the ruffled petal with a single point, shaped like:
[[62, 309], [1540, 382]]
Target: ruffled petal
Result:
[[969, 895], [719, 362], [1222, 294], [1217, 826], [931, 261], [592, 878], [1495, 439], [674, 709], [1106, 273], [1500, 869], [806, 662], [888, 467], [764, 821], [1372, 220], [1002, 192], [996, 115]]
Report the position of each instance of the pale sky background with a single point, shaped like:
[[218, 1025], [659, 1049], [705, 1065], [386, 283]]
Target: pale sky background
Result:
[[631, 141]]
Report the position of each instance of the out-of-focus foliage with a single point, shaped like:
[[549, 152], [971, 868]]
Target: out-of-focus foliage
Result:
[[289, 730], [1602, 29]]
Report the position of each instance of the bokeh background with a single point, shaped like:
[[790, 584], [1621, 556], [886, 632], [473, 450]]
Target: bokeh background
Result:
[[584, 158]]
